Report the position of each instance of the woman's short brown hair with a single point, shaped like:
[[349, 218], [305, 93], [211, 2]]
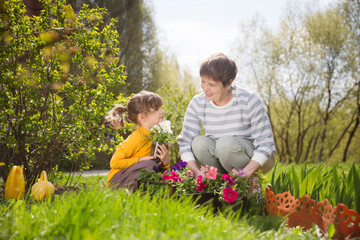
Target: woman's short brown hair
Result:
[[220, 68]]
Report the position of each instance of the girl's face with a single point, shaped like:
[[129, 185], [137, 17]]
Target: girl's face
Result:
[[154, 118], [215, 91]]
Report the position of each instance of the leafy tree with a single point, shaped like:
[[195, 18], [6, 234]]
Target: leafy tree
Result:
[[350, 10], [307, 75], [139, 49], [57, 72]]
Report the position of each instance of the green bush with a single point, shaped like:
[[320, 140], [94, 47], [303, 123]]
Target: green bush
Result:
[[57, 72]]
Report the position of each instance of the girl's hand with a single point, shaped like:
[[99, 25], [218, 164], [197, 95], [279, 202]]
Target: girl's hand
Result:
[[163, 153], [147, 158]]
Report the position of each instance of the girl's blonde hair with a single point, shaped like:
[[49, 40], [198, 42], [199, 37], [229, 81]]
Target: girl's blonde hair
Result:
[[143, 102]]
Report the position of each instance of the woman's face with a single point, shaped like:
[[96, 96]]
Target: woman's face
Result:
[[215, 91]]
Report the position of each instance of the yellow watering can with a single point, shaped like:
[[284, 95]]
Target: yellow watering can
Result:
[[42, 188], [15, 183]]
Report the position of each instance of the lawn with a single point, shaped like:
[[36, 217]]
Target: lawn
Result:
[[93, 212]]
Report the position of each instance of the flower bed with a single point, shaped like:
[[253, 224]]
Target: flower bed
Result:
[[305, 211], [219, 190]]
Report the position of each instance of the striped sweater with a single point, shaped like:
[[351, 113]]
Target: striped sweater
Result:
[[243, 116]]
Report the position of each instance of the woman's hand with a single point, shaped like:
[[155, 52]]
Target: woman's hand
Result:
[[192, 167], [163, 153], [147, 158], [249, 170]]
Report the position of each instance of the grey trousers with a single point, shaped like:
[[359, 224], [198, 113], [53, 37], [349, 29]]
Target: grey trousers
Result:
[[226, 152]]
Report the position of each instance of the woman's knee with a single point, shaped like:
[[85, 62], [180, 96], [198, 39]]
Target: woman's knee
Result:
[[200, 144], [224, 144], [234, 152]]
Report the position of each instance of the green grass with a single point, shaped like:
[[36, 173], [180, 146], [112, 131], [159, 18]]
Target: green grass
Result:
[[93, 212]]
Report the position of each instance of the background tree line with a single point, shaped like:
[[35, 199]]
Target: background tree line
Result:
[[307, 73]]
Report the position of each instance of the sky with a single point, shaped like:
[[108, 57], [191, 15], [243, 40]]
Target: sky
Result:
[[192, 30]]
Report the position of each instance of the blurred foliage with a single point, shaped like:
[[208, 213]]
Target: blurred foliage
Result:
[[139, 49], [175, 104], [307, 73], [57, 70]]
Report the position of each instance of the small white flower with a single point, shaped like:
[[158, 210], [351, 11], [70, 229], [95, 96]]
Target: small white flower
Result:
[[166, 126]]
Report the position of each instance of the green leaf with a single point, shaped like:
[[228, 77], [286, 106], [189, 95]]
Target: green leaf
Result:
[[273, 178], [313, 179], [303, 187], [330, 230], [356, 189], [337, 189], [295, 183]]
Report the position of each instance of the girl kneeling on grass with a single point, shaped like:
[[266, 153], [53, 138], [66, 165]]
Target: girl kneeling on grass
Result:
[[133, 154]]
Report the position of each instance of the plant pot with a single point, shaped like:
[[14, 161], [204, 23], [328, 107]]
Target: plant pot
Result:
[[305, 211], [154, 147], [172, 188], [208, 198]]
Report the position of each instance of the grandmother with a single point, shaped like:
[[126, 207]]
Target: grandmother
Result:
[[237, 129]]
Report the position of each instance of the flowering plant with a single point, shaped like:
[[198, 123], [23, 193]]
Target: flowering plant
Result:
[[162, 133], [229, 187]]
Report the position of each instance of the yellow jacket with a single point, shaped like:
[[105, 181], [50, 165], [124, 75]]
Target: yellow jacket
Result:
[[135, 146]]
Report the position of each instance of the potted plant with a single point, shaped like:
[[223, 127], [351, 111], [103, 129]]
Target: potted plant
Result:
[[161, 134]]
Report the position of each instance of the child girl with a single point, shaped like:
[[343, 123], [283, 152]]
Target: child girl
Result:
[[133, 154]]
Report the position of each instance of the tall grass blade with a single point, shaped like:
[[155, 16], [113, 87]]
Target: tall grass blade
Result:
[[325, 183], [303, 171], [356, 189], [295, 183], [337, 185], [314, 179], [273, 178], [303, 186]]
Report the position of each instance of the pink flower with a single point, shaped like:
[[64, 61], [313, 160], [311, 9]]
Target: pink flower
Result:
[[229, 179], [204, 169], [200, 184], [229, 195], [212, 174]]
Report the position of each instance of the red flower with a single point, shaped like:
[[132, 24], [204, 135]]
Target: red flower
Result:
[[200, 184], [230, 195], [173, 177], [229, 179]]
